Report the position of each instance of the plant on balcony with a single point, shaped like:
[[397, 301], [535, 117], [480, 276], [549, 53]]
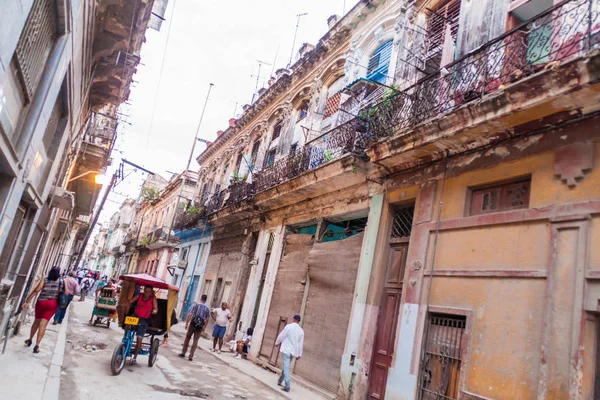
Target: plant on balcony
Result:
[[327, 156], [145, 241], [150, 194], [237, 178]]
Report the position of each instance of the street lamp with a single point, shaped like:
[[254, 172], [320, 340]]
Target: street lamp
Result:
[[99, 178]]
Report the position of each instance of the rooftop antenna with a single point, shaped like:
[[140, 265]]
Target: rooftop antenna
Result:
[[260, 64], [295, 34], [275, 61]]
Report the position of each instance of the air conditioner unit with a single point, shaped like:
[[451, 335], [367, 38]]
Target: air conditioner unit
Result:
[[182, 264]]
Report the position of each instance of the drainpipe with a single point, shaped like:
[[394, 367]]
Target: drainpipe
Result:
[[41, 93]]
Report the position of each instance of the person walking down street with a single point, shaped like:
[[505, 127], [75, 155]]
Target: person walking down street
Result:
[[291, 339], [80, 276], [195, 323], [86, 285], [45, 306], [221, 316], [74, 289], [146, 307]]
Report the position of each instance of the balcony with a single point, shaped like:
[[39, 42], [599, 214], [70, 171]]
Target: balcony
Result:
[[540, 73], [157, 238], [334, 158], [97, 143]]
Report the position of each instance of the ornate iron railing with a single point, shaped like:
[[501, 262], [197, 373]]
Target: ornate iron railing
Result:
[[562, 32], [189, 216], [344, 138]]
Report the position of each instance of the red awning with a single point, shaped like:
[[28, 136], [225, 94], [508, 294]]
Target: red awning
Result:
[[145, 279]]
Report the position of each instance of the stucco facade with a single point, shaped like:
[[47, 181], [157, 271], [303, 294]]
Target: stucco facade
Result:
[[440, 231]]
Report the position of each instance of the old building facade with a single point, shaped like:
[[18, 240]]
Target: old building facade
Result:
[[65, 67], [421, 187]]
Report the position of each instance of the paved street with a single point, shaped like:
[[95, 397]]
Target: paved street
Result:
[[86, 370]]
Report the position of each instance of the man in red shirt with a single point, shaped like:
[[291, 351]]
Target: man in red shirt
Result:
[[145, 307]]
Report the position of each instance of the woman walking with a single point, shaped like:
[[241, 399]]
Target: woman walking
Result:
[[46, 305]]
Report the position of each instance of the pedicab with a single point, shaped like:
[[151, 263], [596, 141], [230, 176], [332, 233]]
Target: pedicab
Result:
[[105, 309], [160, 323]]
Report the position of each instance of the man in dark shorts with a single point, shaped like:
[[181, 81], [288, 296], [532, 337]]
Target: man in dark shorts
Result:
[[145, 306], [199, 312]]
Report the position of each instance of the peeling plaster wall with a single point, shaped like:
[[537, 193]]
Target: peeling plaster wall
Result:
[[519, 275]]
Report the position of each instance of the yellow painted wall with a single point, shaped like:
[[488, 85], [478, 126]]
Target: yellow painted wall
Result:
[[505, 341], [502, 247], [505, 344], [547, 190]]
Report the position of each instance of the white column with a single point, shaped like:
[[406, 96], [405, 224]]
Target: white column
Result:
[[265, 300], [254, 279]]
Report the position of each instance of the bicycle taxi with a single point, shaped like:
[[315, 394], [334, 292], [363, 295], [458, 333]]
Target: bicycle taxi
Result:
[[160, 323]]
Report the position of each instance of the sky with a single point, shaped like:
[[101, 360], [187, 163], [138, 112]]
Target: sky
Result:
[[203, 42]]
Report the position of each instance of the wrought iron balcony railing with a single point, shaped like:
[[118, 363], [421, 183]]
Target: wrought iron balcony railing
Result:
[[343, 139], [564, 31], [189, 216]]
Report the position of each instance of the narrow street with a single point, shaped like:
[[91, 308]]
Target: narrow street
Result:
[[86, 371]]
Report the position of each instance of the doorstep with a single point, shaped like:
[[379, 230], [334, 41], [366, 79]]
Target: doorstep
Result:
[[267, 375]]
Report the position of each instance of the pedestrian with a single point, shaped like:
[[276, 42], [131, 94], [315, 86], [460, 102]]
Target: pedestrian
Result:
[[291, 339], [46, 304], [86, 285], [74, 289], [195, 323], [80, 276], [146, 307], [243, 346], [221, 316]]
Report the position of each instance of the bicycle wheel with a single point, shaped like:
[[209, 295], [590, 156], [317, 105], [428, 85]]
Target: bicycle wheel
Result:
[[153, 352], [118, 359]]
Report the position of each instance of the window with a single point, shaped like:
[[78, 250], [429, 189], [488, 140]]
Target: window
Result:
[[184, 253], [439, 375], [294, 148], [379, 63], [446, 13], [303, 110], [276, 131], [501, 197], [271, 158], [238, 163], [207, 285], [12, 101], [226, 292], [403, 221], [255, 148]]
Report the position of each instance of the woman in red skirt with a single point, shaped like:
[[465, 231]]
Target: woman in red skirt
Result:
[[46, 304]]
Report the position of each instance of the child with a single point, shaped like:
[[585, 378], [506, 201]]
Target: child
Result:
[[243, 346]]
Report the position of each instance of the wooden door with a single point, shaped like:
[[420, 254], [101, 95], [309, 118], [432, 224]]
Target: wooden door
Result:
[[387, 321]]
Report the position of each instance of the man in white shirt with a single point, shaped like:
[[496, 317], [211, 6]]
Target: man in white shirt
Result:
[[221, 316], [291, 339]]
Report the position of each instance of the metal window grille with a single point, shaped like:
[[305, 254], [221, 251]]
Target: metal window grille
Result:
[[403, 220], [35, 43], [439, 375]]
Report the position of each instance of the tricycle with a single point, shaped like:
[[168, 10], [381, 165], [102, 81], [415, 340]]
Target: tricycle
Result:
[[159, 323], [105, 309]]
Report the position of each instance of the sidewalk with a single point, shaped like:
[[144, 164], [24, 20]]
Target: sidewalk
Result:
[[28, 376], [269, 378]]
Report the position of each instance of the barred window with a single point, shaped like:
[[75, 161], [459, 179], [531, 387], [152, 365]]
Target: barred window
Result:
[[439, 375]]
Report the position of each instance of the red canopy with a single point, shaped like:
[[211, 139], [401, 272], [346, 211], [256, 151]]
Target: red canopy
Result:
[[145, 279]]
